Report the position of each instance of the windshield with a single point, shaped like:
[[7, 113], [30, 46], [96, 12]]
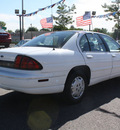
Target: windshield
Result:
[[51, 39]]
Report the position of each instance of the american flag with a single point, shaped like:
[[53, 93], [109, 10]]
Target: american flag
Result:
[[47, 22], [84, 20]]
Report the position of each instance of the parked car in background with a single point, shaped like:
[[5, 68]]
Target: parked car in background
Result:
[[22, 42], [118, 41], [64, 61], [5, 38]]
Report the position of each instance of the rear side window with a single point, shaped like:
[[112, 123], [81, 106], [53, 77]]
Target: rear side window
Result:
[[92, 42], [84, 45], [96, 44]]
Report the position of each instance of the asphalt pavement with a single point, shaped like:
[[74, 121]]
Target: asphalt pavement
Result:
[[98, 110]]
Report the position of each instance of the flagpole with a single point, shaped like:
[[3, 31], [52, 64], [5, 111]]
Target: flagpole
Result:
[[51, 16], [89, 27], [92, 24], [93, 14]]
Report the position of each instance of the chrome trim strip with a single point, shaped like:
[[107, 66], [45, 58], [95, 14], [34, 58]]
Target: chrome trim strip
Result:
[[38, 78]]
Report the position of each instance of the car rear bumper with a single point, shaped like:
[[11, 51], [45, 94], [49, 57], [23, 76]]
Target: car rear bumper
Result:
[[32, 84], [3, 41]]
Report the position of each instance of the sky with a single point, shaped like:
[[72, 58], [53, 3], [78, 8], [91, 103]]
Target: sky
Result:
[[7, 12]]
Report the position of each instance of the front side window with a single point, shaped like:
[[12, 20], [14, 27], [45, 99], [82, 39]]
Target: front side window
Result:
[[112, 44], [52, 39]]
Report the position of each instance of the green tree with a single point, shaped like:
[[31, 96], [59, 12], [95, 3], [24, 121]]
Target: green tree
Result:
[[103, 30], [2, 24], [10, 31], [64, 15], [73, 28], [59, 28], [17, 31], [32, 29], [113, 8], [44, 29]]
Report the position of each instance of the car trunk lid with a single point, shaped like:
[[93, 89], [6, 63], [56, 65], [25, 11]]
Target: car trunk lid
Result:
[[10, 54]]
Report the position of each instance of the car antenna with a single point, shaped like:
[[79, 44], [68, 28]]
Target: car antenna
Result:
[[53, 44]]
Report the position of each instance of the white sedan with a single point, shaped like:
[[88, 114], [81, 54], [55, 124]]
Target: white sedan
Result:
[[55, 62]]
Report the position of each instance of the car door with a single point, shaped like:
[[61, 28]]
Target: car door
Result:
[[96, 56], [114, 48]]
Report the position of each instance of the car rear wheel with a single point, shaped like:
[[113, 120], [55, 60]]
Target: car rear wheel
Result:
[[75, 87]]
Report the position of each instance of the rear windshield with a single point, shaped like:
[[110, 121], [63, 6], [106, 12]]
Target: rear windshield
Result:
[[52, 39], [2, 31]]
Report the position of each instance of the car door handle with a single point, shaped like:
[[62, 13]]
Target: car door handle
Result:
[[89, 56], [113, 55]]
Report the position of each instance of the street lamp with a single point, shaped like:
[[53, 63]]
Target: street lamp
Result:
[[22, 15], [23, 12], [93, 13], [17, 12]]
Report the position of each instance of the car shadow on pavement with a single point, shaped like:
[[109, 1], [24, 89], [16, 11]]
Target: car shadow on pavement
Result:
[[42, 112]]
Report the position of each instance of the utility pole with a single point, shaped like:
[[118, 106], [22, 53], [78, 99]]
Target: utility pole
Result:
[[17, 12], [21, 15], [31, 31], [51, 16], [22, 21]]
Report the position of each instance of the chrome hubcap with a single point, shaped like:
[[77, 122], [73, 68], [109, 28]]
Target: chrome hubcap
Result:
[[77, 87]]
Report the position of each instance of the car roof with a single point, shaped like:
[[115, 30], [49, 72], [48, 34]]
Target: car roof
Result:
[[80, 31]]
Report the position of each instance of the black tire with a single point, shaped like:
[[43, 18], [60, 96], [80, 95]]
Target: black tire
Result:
[[75, 87]]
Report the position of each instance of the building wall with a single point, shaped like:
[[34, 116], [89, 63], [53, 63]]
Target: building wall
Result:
[[28, 35]]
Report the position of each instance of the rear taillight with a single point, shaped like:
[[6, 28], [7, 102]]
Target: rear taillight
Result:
[[27, 63], [9, 35]]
